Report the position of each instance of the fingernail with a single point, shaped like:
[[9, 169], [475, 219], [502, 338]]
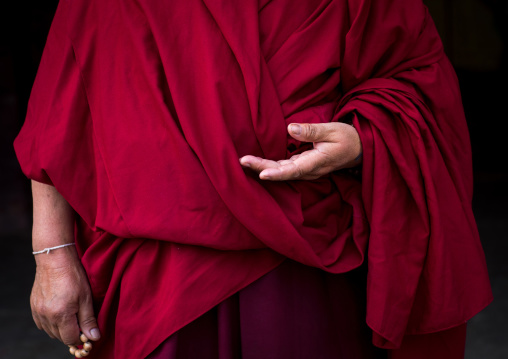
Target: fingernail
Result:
[[95, 334], [246, 164], [296, 129]]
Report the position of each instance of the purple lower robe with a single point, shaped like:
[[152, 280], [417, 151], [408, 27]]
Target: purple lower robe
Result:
[[293, 312]]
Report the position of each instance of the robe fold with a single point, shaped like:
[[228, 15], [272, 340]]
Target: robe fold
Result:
[[141, 110]]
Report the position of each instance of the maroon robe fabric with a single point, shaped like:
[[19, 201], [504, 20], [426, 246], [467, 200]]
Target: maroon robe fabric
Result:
[[299, 312], [293, 312], [139, 114]]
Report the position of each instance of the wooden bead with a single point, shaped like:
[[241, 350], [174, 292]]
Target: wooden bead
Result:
[[84, 353], [77, 354], [87, 346], [83, 338], [72, 349]]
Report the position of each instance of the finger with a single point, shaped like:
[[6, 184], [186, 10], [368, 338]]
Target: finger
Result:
[[46, 326], [303, 154], [313, 132], [303, 167], [286, 172], [49, 329], [35, 315], [43, 323], [257, 164], [37, 320], [68, 330], [284, 162], [288, 166], [87, 321]]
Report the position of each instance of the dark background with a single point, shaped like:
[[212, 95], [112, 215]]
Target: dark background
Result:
[[474, 33]]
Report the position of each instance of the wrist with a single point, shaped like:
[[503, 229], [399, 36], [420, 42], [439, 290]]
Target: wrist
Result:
[[57, 258], [49, 249], [51, 237], [356, 148]]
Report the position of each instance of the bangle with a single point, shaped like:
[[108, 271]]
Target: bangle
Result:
[[51, 248]]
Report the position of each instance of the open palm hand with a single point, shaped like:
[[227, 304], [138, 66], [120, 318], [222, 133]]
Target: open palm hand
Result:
[[336, 145]]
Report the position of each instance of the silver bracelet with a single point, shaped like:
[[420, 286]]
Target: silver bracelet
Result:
[[51, 248]]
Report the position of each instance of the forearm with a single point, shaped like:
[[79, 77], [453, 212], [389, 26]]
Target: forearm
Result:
[[53, 225], [61, 299]]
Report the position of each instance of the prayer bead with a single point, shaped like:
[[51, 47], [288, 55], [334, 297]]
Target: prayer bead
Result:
[[87, 346], [84, 353], [72, 349], [78, 354], [83, 338]]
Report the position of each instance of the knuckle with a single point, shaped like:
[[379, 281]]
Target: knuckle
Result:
[[298, 172], [86, 298], [61, 316], [56, 314], [40, 310], [35, 305], [311, 131], [56, 317], [87, 321], [254, 166]]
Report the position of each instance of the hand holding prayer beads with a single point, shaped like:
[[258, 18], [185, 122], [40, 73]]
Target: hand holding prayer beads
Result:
[[81, 353]]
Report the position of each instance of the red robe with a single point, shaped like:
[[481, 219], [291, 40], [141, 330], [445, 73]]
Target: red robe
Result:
[[141, 110]]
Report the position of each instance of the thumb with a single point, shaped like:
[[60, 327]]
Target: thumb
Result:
[[312, 132], [87, 321]]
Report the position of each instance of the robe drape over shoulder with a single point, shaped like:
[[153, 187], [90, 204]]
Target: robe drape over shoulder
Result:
[[141, 110]]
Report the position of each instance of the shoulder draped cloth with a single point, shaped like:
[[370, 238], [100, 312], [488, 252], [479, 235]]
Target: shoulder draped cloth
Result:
[[141, 110]]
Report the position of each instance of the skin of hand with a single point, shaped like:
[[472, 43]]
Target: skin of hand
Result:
[[61, 298], [337, 146]]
